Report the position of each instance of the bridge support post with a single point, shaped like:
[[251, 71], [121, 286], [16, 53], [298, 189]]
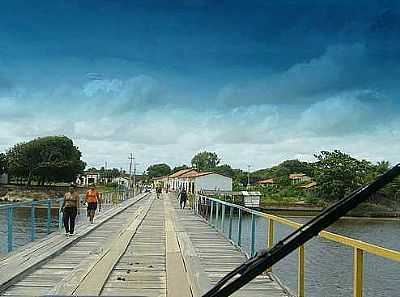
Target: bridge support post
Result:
[[33, 227], [60, 217], [358, 269], [216, 215], [223, 218], [10, 229], [48, 223], [270, 236], [211, 212], [253, 234], [240, 228], [230, 222], [300, 272]]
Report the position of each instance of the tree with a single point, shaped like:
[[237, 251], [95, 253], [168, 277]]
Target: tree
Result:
[[3, 163], [178, 168], [205, 161], [337, 174], [158, 170], [296, 166], [46, 159], [225, 170]]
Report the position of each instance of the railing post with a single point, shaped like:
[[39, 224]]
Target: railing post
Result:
[[48, 216], [270, 237], [10, 229], [240, 228], [33, 221], [300, 272], [60, 216], [216, 215], [358, 269], [253, 235], [211, 212], [223, 218], [230, 222]]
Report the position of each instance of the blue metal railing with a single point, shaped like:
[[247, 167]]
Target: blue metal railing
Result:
[[50, 221]]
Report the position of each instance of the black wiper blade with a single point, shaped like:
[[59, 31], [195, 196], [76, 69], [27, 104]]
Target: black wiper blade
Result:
[[266, 258]]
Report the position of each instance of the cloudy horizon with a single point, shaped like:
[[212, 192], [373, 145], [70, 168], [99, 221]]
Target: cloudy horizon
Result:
[[255, 82]]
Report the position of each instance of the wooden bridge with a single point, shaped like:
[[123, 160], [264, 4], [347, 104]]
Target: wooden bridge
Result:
[[143, 247]]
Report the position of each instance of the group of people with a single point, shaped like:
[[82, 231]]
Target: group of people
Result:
[[71, 204], [93, 200], [182, 195]]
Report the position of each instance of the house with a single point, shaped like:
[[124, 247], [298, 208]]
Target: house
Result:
[[122, 181], [267, 182], [309, 187], [194, 181], [88, 178], [3, 179], [298, 178], [175, 180]]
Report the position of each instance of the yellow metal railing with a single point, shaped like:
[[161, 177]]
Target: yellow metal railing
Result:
[[359, 247]]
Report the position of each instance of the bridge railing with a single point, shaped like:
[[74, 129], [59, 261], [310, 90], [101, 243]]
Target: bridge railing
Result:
[[221, 214], [24, 222]]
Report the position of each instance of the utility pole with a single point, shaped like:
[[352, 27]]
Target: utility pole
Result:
[[134, 179], [248, 176], [131, 159]]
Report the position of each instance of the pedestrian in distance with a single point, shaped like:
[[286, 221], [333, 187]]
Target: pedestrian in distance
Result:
[[93, 200], [70, 210], [183, 198], [158, 191]]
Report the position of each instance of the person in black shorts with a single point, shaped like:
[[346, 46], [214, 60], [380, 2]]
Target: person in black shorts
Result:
[[92, 198]]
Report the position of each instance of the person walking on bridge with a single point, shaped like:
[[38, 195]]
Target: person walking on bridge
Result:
[[70, 210], [183, 198], [92, 199], [158, 191]]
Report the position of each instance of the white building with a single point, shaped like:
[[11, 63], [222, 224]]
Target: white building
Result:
[[212, 181], [194, 181], [122, 181], [3, 179], [88, 178]]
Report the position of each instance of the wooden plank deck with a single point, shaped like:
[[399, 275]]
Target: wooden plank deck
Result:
[[214, 256], [147, 248], [43, 266]]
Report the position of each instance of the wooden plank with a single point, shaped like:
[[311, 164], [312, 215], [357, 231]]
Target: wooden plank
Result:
[[177, 282], [90, 277], [13, 267]]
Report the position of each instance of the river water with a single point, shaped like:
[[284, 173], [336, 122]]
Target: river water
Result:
[[328, 265], [328, 268]]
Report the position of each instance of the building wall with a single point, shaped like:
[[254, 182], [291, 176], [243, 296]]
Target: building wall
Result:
[[213, 182], [4, 179]]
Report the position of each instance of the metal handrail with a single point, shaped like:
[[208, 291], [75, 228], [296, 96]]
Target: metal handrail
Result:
[[109, 199], [359, 247]]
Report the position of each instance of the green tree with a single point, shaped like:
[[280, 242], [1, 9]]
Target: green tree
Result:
[[177, 168], [46, 159], [296, 166], [3, 163], [225, 170], [158, 170], [205, 161], [337, 174]]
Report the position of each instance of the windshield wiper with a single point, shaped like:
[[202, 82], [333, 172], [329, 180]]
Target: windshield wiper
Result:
[[264, 259]]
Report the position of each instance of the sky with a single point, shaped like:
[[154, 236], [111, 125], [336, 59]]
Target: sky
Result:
[[257, 82]]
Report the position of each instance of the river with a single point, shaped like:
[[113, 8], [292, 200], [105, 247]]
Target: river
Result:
[[328, 269], [328, 265]]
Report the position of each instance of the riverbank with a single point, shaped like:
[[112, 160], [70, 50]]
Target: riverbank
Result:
[[367, 210]]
